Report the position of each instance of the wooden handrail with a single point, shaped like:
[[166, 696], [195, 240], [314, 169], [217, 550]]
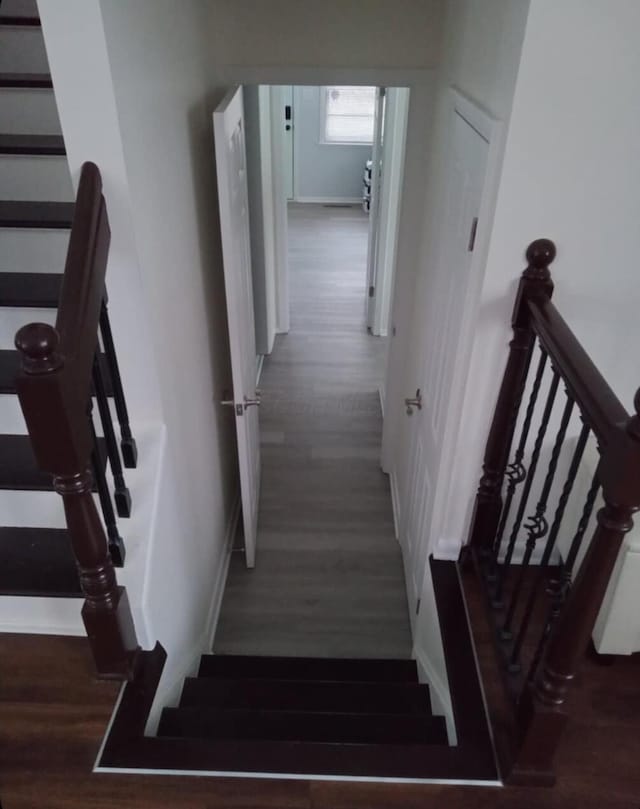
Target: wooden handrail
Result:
[[54, 388], [538, 672], [601, 408]]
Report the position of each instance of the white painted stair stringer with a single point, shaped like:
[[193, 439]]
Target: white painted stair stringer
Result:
[[62, 615]]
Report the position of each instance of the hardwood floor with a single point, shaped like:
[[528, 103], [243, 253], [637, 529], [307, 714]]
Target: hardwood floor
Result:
[[53, 715], [328, 579]]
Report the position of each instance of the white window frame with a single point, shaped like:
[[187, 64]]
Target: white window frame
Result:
[[324, 141]]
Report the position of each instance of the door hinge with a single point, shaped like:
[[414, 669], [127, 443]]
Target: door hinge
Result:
[[372, 291], [418, 605], [472, 234]]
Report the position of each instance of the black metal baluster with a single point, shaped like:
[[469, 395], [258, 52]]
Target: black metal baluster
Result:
[[537, 527], [551, 541], [516, 472], [524, 497], [115, 541], [127, 443], [122, 496], [559, 587]]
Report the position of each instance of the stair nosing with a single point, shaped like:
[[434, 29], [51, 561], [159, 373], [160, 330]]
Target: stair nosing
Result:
[[27, 145], [26, 81], [19, 21]]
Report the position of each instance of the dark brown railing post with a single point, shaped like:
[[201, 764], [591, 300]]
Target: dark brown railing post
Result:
[[62, 443], [542, 713], [535, 283]]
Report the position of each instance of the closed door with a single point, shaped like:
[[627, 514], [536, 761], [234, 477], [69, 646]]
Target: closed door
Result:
[[229, 132], [440, 307]]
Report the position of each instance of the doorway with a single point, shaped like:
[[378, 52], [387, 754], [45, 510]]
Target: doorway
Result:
[[328, 579]]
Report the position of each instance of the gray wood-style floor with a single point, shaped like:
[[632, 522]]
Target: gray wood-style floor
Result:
[[328, 580]]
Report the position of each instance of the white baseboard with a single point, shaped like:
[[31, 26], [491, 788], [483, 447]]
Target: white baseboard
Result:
[[395, 503], [441, 697], [331, 200], [223, 571]]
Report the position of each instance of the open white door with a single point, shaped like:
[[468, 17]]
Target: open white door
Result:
[[228, 128]]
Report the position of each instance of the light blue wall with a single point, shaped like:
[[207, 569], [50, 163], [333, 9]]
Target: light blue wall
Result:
[[323, 172]]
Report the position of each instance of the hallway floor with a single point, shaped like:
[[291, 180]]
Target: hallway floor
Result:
[[328, 580]]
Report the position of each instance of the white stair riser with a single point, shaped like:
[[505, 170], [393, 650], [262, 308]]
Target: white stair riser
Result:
[[28, 112], [24, 177], [26, 250], [28, 8], [22, 50], [12, 421], [31, 509], [13, 319]]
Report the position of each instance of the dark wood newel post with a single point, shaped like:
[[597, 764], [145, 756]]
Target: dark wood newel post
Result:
[[54, 403], [542, 710], [535, 284]]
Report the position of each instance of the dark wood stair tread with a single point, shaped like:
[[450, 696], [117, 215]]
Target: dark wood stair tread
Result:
[[38, 562], [347, 728], [30, 289], [28, 20], [32, 144], [18, 468], [10, 367], [25, 214], [306, 695], [308, 668], [26, 80]]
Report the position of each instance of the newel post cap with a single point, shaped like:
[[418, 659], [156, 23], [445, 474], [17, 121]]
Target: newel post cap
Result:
[[540, 254], [38, 344]]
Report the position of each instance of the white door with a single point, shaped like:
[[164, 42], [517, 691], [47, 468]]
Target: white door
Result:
[[288, 123], [440, 308], [374, 206], [228, 128]]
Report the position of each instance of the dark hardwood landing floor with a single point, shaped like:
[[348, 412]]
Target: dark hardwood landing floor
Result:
[[53, 715], [328, 580]]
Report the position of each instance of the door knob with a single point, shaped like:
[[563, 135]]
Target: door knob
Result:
[[255, 402], [415, 402]]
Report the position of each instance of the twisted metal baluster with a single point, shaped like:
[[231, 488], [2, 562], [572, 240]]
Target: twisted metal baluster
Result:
[[551, 541], [537, 527], [559, 588], [515, 471], [535, 455]]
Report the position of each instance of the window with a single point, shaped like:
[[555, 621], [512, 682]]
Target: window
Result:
[[347, 114]]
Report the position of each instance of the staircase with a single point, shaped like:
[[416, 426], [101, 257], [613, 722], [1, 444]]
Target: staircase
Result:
[[36, 215], [365, 703], [36, 211]]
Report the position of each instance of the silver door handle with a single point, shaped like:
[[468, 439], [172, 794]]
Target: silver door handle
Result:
[[248, 402], [414, 402]]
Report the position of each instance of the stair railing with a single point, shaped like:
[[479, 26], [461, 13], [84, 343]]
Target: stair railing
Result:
[[54, 387], [544, 582]]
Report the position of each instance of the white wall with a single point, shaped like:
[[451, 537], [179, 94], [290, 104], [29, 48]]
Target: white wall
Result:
[[571, 173], [138, 102], [323, 172], [340, 33]]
